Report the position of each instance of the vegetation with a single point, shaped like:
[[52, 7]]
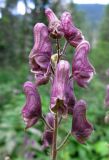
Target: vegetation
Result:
[[15, 43]]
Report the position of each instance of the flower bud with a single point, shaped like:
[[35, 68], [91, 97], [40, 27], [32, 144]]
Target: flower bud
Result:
[[107, 96], [54, 59], [31, 112], [81, 128], [48, 134], [55, 27], [40, 55], [82, 69], [57, 101], [71, 33]]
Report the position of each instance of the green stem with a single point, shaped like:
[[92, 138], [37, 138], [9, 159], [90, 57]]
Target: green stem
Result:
[[54, 145], [64, 48], [43, 119], [58, 49], [64, 141]]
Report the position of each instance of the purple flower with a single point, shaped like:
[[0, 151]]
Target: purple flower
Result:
[[40, 55], [57, 101], [55, 27], [48, 134], [82, 69], [31, 112], [81, 128], [107, 96], [71, 33]]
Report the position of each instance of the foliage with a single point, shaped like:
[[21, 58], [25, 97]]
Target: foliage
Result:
[[104, 31]]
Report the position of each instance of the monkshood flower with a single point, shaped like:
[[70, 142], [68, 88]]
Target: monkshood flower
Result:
[[81, 128], [31, 111], [62, 96], [82, 69], [57, 98], [72, 34], [48, 134], [107, 96], [55, 27], [39, 57]]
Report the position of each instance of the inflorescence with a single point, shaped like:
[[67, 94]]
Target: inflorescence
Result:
[[49, 67]]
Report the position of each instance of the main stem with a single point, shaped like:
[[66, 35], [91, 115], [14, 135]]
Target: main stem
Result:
[[54, 145]]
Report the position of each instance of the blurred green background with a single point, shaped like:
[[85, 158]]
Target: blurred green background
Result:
[[17, 18]]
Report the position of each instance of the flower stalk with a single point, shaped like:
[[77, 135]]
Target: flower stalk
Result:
[[54, 144], [54, 68], [47, 124], [64, 141]]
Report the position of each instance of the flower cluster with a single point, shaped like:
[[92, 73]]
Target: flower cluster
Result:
[[53, 68]]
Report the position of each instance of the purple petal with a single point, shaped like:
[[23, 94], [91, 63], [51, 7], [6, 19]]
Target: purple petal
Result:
[[70, 97], [47, 138], [48, 134], [107, 96], [81, 128], [82, 69], [31, 112], [71, 33], [40, 55], [55, 27], [59, 87]]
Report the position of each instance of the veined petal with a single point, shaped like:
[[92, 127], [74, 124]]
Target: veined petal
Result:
[[55, 27], [40, 55], [81, 128], [82, 69], [58, 91], [31, 112], [71, 33]]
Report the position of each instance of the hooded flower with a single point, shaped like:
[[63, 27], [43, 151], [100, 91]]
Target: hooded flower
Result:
[[82, 69], [107, 96], [48, 134], [81, 128], [71, 33], [62, 94], [59, 85], [31, 112], [55, 27], [40, 55]]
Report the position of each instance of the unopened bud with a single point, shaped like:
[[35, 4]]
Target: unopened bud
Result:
[[54, 59]]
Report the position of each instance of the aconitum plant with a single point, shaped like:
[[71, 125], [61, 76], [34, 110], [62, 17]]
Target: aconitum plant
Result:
[[54, 68]]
